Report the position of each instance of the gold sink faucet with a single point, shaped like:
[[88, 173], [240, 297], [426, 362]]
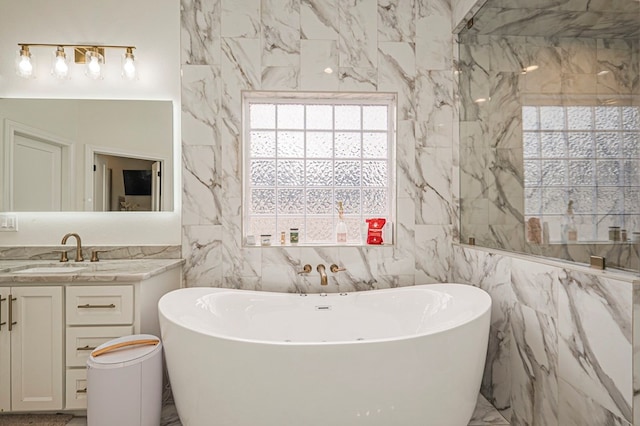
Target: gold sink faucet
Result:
[[323, 274], [79, 257]]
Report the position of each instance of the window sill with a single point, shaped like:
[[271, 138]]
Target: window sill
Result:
[[307, 245]]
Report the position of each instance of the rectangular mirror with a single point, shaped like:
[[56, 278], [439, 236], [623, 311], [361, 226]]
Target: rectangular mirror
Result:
[[86, 155]]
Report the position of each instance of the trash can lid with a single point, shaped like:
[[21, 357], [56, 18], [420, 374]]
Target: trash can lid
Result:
[[125, 349]]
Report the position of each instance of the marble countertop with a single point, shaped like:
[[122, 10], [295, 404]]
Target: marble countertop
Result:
[[103, 271]]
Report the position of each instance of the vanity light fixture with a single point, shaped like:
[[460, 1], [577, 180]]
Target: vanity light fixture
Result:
[[90, 55]]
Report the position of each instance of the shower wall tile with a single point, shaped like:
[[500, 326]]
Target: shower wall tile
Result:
[[396, 20], [595, 339], [433, 35], [433, 186], [240, 18], [280, 78], [319, 19], [280, 32], [316, 57], [201, 191], [202, 250], [433, 253], [358, 37], [534, 367], [200, 105], [560, 344], [578, 409], [200, 32], [397, 72], [358, 79], [231, 46]]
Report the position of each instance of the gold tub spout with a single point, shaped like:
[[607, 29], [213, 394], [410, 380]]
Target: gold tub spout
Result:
[[323, 274], [79, 257]]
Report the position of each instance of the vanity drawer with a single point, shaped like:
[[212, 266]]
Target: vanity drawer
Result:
[[76, 389], [82, 340], [87, 305]]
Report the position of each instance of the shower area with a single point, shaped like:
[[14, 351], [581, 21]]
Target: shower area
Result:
[[550, 129]]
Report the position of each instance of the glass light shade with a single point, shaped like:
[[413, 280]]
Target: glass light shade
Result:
[[25, 64], [129, 71], [94, 63], [60, 65]]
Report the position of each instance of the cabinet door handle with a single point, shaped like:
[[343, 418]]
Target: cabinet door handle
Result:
[[86, 348], [1, 300], [82, 390], [11, 321], [88, 306]]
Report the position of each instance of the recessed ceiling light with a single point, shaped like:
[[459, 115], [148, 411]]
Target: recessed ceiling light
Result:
[[328, 70]]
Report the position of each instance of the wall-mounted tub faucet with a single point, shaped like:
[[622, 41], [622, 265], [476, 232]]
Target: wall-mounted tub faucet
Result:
[[323, 274], [79, 257]]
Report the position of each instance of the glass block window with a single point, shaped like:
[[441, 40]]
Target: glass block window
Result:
[[303, 156], [587, 154]]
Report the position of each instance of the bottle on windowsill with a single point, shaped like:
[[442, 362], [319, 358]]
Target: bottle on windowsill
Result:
[[341, 227], [569, 228]]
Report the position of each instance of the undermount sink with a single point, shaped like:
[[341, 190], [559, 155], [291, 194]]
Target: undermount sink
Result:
[[52, 270]]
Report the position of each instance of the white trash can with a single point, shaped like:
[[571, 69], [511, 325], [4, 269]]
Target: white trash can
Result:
[[124, 382]]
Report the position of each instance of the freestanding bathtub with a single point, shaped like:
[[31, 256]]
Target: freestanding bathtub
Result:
[[410, 356]]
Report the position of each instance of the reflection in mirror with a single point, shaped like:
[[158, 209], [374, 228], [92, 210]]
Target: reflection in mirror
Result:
[[550, 129], [85, 155]]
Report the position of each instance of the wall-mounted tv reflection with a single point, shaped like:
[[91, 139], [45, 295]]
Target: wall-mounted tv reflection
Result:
[[137, 182]]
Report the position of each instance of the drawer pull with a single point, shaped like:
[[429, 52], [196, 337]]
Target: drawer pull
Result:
[[82, 390], [88, 306], [86, 348], [124, 344]]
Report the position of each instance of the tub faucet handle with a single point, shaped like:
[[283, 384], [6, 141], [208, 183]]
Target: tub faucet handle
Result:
[[305, 269], [335, 268]]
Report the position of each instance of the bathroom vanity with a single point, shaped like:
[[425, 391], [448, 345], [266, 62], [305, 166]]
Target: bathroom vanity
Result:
[[53, 315]]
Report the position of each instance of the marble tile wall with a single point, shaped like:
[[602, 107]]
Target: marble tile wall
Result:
[[561, 350], [402, 46], [491, 156]]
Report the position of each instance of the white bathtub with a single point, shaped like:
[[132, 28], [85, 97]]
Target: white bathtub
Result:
[[397, 357]]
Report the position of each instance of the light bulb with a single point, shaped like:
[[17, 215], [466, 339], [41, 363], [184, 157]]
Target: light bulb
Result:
[[24, 65], [129, 65], [60, 67], [94, 66], [94, 61]]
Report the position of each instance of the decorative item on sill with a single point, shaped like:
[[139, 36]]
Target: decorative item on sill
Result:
[[568, 227], [341, 227], [614, 233], [294, 236], [374, 233], [534, 230], [283, 238], [265, 239]]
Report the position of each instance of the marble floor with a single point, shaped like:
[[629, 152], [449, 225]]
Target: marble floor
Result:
[[484, 415]]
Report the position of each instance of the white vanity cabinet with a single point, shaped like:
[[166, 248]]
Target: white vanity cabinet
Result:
[[31, 350], [97, 313], [50, 325]]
